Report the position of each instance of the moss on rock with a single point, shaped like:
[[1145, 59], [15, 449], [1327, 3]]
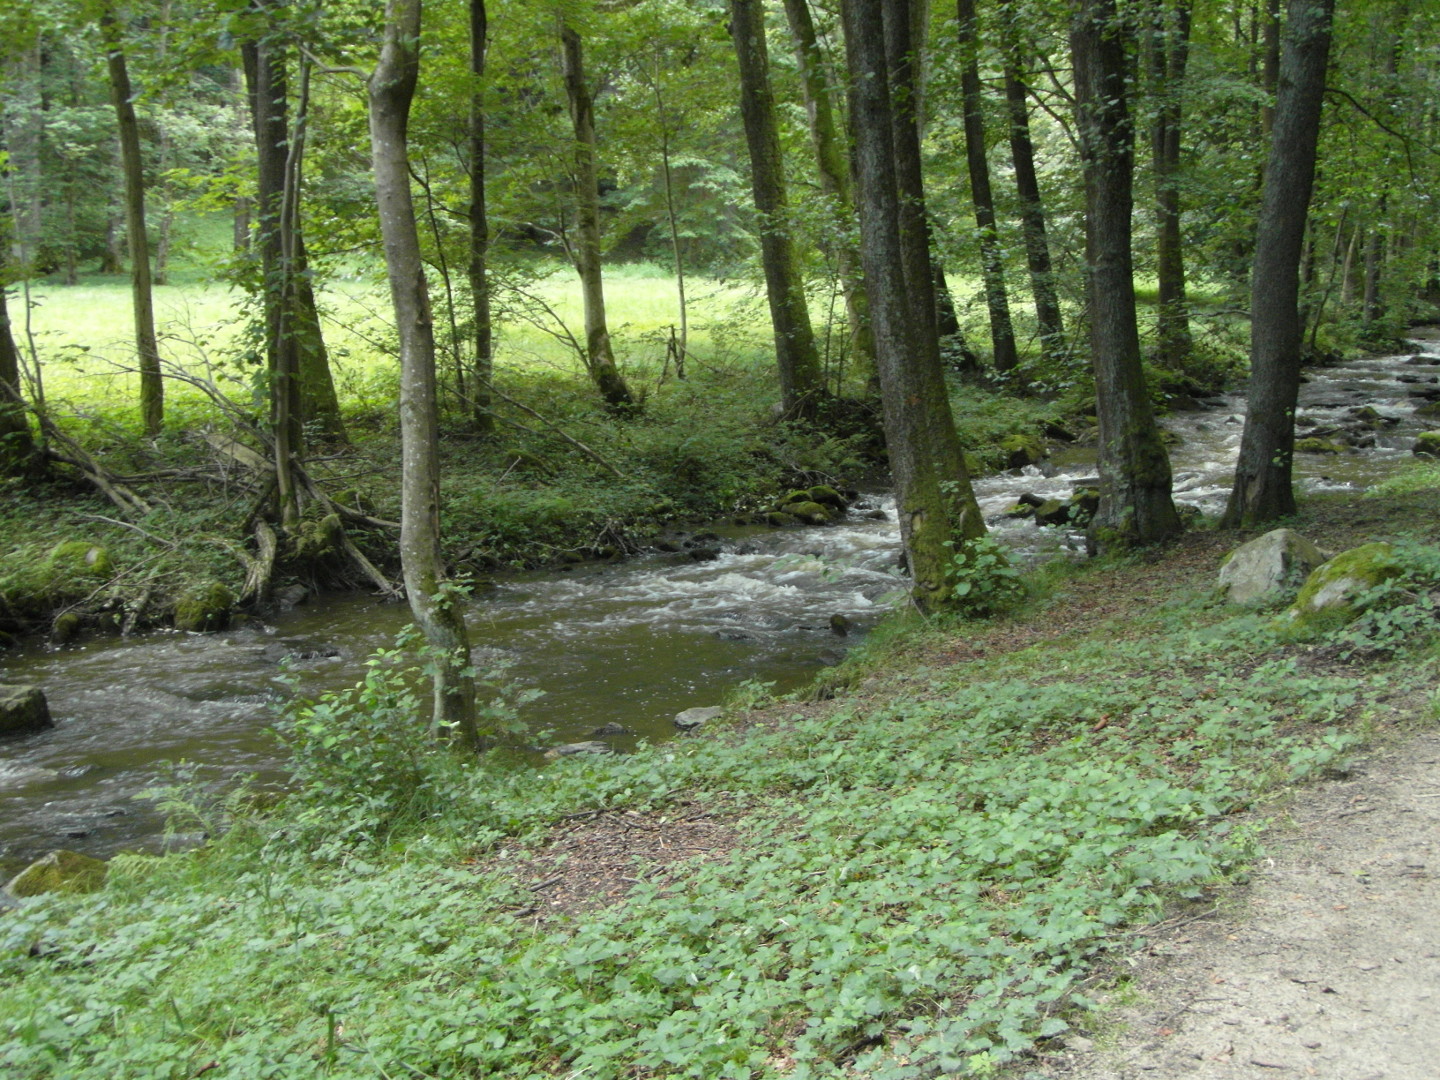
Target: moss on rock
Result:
[[61, 871], [1021, 450], [812, 513], [1428, 442], [204, 608], [1314, 445], [1337, 590]]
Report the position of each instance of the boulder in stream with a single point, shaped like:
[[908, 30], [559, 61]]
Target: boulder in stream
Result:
[[23, 710], [61, 871], [204, 608], [1428, 442], [1269, 567]]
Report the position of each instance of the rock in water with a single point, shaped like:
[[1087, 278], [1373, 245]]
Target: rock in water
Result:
[[23, 709], [691, 719], [1268, 568], [60, 871]]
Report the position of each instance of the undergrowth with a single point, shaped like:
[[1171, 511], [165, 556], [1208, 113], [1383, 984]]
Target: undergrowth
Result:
[[928, 871]]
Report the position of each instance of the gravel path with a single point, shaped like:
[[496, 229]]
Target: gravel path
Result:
[[1329, 964]]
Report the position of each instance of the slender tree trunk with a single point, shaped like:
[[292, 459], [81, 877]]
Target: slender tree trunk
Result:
[[1347, 269], [997, 299], [1169, 54], [668, 180], [152, 387], [438, 613], [936, 505], [832, 159], [802, 382], [1372, 308], [1263, 490], [476, 272], [1048, 317], [1135, 502], [599, 355]]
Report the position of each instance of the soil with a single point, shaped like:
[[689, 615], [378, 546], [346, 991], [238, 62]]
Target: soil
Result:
[[1326, 965]]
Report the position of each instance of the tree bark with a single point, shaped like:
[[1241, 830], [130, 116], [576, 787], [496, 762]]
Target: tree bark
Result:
[[1135, 502], [17, 447], [599, 355], [997, 299], [935, 503], [147, 349], [437, 611], [1263, 490], [479, 235], [1048, 317], [1169, 54], [802, 383], [832, 160]]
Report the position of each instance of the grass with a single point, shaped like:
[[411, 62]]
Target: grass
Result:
[[924, 872]]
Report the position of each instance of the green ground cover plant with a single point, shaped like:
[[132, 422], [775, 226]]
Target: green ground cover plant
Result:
[[927, 870]]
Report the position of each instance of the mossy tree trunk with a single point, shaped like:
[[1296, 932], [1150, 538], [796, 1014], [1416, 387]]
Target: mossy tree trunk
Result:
[[1263, 490], [935, 503], [17, 446], [438, 613], [147, 348], [1135, 502], [599, 355], [833, 166], [997, 298], [1169, 52], [802, 384]]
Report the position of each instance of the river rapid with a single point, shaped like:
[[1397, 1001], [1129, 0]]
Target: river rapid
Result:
[[629, 643]]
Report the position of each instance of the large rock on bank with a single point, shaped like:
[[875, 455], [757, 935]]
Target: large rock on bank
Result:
[[23, 709], [60, 871], [1340, 589], [1270, 567]]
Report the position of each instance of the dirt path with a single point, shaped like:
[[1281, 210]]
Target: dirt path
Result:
[[1327, 966]]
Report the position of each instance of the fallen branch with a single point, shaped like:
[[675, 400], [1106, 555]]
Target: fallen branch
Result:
[[587, 451], [134, 528]]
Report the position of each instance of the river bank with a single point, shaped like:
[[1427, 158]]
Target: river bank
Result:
[[923, 873]]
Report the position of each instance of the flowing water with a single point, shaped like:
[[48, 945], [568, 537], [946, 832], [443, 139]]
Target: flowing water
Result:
[[628, 644]]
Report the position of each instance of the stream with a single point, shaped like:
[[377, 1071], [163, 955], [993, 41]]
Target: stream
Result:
[[629, 643]]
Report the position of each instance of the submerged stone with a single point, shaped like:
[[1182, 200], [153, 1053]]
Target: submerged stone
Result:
[[573, 749], [61, 871], [1269, 567]]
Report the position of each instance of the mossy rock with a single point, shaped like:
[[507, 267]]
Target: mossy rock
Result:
[[23, 709], [33, 584], [1428, 411], [65, 628], [812, 513], [779, 519], [1052, 512], [801, 495], [1428, 442], [316, 540], [61, 871], [1020, 511], [1319, 446], [204, 608], [1338, 590], [826, 495], [1021, 450]]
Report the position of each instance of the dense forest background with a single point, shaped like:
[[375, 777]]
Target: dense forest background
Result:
[[671, 258]]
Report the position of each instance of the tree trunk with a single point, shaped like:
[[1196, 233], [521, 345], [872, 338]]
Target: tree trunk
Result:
[[17, 447], [598, 353], [802, 382], [1169, 53], [1135, 502], [1372, 306], [152, 387], [438, 612], [997, 299], [936, 505], [832, 159], [479, 235], [1263, 490], [1048, 317]]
